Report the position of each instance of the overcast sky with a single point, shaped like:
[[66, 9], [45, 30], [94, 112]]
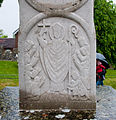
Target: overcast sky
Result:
[[9, 16]]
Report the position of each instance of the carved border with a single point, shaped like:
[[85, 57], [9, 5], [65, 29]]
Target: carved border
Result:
[[69, 6], [72, 16]]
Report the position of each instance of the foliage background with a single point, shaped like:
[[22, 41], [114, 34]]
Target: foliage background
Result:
[[2, 34], [105, 25], [1, 2]]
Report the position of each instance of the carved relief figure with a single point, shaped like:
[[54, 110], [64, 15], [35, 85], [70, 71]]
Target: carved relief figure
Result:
[[55, 55], [78, 58], [33, 71], [58, 59]]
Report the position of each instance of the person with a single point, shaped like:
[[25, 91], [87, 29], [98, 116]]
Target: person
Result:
[[100, 73]]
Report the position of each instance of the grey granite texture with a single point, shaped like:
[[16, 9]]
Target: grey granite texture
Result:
[[106, 103], [57, 54], [105, 109]]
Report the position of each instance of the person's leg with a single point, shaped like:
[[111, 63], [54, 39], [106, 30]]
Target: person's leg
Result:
[[102, 83], [97, 80], [98, 83]]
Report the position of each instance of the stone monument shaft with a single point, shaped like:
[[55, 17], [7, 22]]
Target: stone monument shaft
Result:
[[57, 54]]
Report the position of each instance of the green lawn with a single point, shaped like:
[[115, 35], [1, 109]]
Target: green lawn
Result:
[[9, 75], [8, 67], [110, 78]]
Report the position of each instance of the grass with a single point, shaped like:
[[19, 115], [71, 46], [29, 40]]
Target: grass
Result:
[[110, 82], [110, 78], [111, 73], [8, 74], [8, 82], [8, 67]]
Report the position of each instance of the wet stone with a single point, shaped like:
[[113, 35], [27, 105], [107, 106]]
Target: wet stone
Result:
[[105, 109], [56, 43]]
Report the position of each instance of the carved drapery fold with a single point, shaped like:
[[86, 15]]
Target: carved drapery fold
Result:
[[59, 59], [56, 54]]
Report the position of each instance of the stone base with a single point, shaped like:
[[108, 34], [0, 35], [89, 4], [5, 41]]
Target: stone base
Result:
[[63, 114], [54, 101], [71, 105], [105, 107]]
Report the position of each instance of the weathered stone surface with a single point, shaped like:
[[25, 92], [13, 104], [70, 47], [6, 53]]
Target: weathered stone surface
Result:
[[106, 103], [57, 54], [105, 107], [55, 6]]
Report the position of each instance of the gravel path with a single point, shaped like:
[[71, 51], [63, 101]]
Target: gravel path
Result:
[[106, 103], [9, 107], [9, 103]]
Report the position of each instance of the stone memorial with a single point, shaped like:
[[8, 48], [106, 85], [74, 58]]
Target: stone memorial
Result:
[[57, 54]]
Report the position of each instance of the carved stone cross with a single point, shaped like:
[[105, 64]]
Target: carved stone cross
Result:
[[44, 25], [63, 54]]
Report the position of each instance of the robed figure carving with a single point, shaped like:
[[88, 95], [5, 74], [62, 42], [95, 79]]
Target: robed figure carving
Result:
[[57, 54], [62, 59], [54, 60]]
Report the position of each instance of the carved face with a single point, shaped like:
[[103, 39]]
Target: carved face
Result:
[[56, 31]]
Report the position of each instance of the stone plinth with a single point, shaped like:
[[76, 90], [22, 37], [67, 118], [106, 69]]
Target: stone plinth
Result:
[[57, 54]]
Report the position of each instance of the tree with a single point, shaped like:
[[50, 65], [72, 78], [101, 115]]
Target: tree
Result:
[[2, 35], [105, 25], [1, 2]]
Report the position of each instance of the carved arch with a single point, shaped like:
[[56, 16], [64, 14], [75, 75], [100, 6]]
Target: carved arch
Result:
[[72, 16], [26, 29]]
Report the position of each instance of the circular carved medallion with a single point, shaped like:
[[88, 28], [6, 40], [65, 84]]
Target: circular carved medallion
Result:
[[56, 5]]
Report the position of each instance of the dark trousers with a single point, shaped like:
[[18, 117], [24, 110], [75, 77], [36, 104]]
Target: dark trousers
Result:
[[99, 80]]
